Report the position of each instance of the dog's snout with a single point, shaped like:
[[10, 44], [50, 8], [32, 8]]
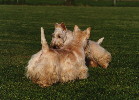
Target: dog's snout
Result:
[[54, 46]]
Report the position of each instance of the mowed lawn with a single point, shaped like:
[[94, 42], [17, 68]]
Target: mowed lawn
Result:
[[20, 38]]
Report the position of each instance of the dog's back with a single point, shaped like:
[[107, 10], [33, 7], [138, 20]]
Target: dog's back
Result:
[[96, 52]]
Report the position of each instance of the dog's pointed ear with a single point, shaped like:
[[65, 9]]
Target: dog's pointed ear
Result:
[[63, 26], [87, 31], [56, 25], [76, 28]]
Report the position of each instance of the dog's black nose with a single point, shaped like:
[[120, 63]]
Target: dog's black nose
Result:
[[55, 47]]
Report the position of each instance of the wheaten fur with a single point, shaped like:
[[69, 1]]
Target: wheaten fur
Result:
[[95, 53], [49, 66]]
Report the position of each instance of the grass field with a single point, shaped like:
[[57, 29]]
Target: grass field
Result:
[[20, 38]]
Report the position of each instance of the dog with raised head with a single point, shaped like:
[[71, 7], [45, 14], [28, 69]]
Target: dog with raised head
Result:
[[49, 65], [95, 53], [61, 36]]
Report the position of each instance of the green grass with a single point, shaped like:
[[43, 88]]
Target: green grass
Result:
[[20, 38]]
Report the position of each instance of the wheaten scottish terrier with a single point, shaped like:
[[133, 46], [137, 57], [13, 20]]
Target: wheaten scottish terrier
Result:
[[95, 54], [49, 66]]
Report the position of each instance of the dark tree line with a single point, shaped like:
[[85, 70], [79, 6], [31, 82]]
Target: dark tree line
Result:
[[13, 1], [69, 2]]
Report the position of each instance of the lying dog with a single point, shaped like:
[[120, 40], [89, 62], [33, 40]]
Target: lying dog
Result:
[[95, 54], [49, 66]]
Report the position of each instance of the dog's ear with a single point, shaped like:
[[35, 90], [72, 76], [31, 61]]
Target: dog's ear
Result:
[[76, 28], [87, 31], [63, 26]]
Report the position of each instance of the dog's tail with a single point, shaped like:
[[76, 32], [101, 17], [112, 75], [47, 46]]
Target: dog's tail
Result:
[[100, 40], [45, 46]]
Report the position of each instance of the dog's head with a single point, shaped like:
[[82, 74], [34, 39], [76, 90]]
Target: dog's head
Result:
[[81, 36], [59, 36]]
